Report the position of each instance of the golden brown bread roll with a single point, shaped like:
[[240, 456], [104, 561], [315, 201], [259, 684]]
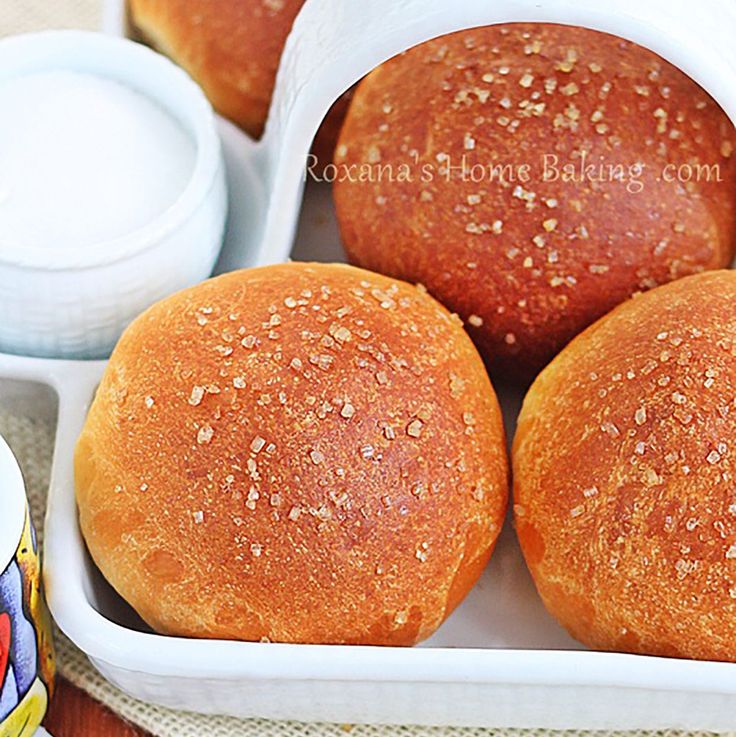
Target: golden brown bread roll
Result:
[[625, 500], [526, 262], [304, 453], [232, 49]]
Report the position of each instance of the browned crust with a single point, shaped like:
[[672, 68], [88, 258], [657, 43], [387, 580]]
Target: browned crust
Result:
[[625, 502], [561, 254], [232, 49], [305, 453]]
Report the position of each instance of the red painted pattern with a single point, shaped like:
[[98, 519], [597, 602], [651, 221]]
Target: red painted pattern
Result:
[[4, 646]]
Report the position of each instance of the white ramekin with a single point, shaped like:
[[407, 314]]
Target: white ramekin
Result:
[[74, 303]]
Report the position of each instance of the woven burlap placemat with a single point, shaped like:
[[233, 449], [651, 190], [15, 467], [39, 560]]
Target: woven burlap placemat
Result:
[[32, 441], [22, 16]]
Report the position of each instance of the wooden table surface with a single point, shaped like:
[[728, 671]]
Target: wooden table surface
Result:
[[74, 714]]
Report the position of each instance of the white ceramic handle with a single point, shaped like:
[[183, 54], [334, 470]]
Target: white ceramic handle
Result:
[[74, 383], [79, 381], [336, 42]]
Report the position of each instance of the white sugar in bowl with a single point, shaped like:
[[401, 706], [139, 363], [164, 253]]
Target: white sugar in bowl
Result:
[[112, 189]]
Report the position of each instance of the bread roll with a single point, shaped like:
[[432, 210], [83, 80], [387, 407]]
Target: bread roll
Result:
[[625, 500], [527, 259], [232, 49], [303, 453]]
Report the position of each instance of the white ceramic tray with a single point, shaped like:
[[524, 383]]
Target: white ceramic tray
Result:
[[499, 660]]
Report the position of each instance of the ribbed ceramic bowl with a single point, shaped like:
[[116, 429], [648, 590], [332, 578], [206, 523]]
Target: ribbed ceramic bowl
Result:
[[75, 302]]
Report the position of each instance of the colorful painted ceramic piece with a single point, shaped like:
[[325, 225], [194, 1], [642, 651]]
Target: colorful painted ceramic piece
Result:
[[26, 649]]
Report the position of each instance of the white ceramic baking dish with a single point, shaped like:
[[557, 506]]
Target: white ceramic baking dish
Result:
[[499, 660]]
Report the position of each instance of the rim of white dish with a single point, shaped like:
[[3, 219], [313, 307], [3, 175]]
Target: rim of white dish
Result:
[[69, 50], [12, 505]]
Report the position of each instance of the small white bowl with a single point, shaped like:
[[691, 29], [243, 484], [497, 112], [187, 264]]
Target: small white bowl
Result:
[[75, 302]]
